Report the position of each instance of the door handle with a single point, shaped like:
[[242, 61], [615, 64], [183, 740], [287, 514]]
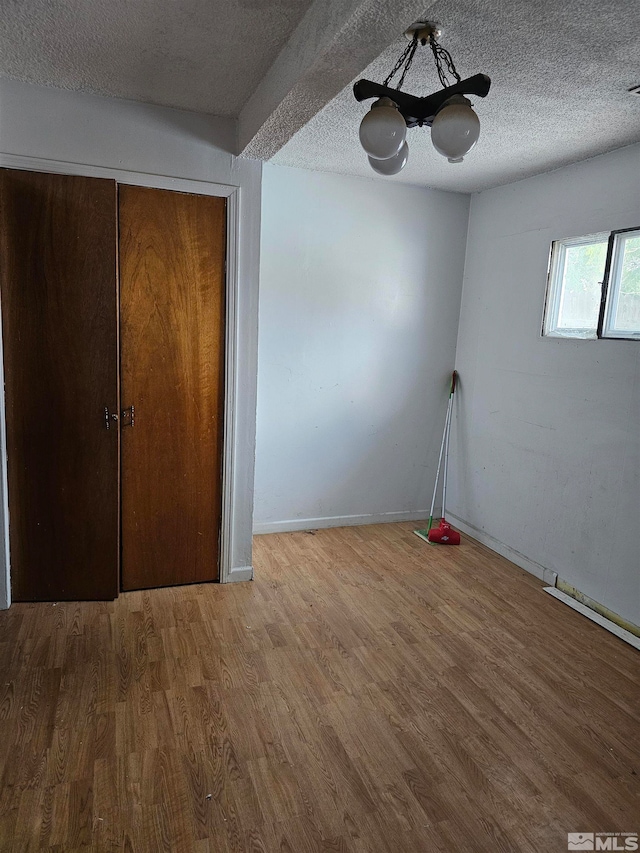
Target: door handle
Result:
[[128, 416], [109, 417]]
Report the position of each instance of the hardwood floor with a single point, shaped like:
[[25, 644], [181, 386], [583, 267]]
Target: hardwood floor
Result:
[[368, 692]]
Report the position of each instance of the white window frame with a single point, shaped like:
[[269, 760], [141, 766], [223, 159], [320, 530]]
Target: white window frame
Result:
[[555, 293], [610, 287]]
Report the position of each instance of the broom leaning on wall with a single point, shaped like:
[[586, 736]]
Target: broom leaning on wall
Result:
[[443, 534]]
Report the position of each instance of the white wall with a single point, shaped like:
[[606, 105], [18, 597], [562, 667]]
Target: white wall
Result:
[[359, 299], [546, 457], [42, 128]]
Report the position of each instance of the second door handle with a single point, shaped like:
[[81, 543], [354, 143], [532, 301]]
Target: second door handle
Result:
[[128, 416]]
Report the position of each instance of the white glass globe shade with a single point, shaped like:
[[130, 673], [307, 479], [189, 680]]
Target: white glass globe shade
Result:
[[392, 165], [383, 130], [455, 129]]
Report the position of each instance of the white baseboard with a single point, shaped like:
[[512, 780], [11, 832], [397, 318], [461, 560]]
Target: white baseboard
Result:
[[293, 524], [542, 572], [627, 636], [240, 574]]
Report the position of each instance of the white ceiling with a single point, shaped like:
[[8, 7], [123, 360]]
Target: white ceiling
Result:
[[284, 68], [201, 55]]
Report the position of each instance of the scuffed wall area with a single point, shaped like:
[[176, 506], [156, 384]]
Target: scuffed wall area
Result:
[[546, 456]]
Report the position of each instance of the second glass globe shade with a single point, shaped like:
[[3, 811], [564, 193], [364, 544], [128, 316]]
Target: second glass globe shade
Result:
[[383, 130], [455, 129]]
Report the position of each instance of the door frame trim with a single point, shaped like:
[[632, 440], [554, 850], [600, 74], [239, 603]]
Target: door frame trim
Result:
[[233, 195]]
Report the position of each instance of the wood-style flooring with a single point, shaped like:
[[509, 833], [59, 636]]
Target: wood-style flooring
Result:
[[367, 692]]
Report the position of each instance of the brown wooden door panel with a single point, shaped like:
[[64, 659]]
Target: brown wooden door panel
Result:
[[172, 250], [59, 310]]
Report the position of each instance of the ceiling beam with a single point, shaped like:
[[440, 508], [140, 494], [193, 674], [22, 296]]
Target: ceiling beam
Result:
[[331, 46]]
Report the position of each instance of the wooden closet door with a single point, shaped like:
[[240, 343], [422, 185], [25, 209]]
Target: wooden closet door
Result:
[[172, 286], [59, 312]]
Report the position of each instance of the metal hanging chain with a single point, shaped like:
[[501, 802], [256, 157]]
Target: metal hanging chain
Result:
[[406, 58], [444, 62], [442, 56]]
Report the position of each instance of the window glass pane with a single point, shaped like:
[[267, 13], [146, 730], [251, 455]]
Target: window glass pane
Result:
[[626, 317], [581, 287]]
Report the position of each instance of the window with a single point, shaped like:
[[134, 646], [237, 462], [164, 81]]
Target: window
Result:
[[621, 316], [594, 287]]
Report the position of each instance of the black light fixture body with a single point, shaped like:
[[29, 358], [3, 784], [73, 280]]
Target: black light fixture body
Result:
[[421, 111]]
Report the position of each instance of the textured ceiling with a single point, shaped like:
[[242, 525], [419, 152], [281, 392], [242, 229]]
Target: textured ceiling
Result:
[[560, 73], [560, 70], [203, 55]]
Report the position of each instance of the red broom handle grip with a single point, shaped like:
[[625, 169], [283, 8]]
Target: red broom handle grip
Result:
[[454, 379]]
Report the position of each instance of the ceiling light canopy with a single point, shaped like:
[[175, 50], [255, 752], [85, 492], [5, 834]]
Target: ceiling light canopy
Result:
[[455, 127]]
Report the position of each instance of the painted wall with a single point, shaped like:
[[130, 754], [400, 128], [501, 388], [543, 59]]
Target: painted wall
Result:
[[360, 288], [39, 124], [547, 449]]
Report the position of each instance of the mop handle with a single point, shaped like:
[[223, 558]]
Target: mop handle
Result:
[[454, 376], [444, 477], [435, 487]]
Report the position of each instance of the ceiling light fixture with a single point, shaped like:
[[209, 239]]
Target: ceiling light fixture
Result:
[[455, 127]]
